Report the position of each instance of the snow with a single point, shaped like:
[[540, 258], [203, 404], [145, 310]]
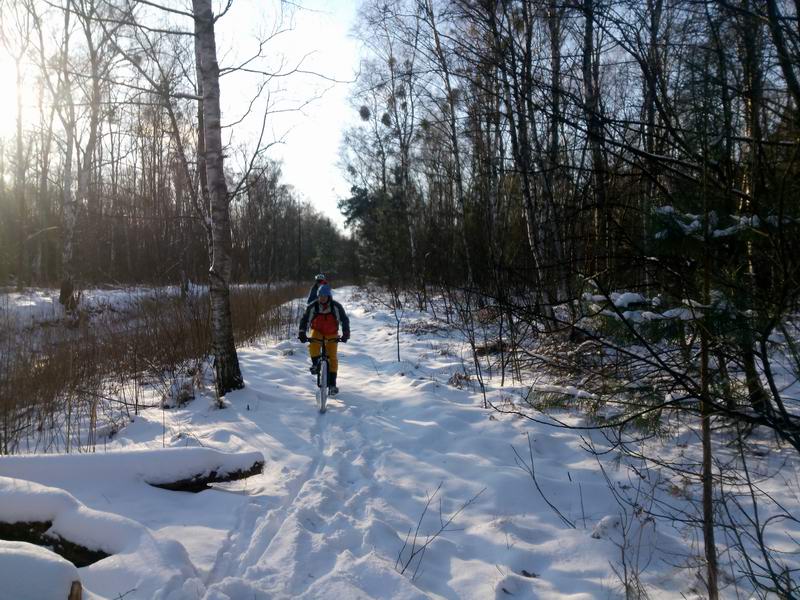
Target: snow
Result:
[[684, 314], [691, 224], [31, 572], [151, 466], [594, 297], [605, 525], [624, 299], [687, 312], [568, 390], [342, 494], [618, 299], [40, 305], [157, 569]]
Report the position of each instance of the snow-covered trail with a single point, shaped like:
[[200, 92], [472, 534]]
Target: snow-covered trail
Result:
[[329, 516], [344, 488]]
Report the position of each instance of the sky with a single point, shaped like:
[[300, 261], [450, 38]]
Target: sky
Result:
[[315, 34], [318, 34]]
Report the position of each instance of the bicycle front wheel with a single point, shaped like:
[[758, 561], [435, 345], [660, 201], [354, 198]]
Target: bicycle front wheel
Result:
[[323, 385]]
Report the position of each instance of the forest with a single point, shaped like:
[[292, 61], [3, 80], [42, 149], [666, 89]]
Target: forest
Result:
[[614, 186], [600, 198], [100, 181]]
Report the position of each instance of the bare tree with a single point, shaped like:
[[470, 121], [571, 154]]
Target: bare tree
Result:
[[226, 361], [15, 35]]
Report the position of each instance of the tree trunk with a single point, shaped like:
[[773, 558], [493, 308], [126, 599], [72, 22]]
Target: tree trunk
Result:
[[69, 205], [197, 482], [443, 65], [43, 261], [709, 542], [226, 361], [85, 166], [785, 60], [518, 118], [19, 187], [594, 126], [552, 217]]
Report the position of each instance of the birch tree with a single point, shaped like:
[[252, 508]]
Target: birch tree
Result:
[[226, 361], [57, 75]]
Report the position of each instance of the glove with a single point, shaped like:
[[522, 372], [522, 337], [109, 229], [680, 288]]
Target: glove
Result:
[[345, 337], [302, 337]]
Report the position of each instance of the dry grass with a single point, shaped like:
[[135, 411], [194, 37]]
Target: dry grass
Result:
[[64, 386]]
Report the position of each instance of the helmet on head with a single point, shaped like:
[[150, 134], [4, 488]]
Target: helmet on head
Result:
[[320, 277], [325, 290]]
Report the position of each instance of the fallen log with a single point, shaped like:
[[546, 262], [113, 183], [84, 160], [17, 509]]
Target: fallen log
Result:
[[54, 518], [36, 532], [202, 481], [177, 469]]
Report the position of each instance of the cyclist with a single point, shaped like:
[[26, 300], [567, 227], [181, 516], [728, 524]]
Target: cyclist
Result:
[[325, 316], [318, 281]]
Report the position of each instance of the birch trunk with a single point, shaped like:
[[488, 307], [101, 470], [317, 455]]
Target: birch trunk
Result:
[[517, 117], [202, 184], [226, 361]]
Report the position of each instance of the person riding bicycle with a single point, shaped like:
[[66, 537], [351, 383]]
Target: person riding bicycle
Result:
[[319, 280], [325, 316]]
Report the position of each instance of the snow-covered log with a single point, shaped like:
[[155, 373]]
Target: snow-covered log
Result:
[[202, 480], [181, 469], [30, 572], [39, 533], [169, 573]]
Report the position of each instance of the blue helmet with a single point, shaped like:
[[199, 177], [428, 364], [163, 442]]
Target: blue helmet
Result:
[[325, 290]]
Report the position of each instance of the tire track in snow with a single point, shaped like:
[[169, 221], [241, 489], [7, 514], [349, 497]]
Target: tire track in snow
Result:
[[307, 536], [259, 523], [284, 551], [325, 524]]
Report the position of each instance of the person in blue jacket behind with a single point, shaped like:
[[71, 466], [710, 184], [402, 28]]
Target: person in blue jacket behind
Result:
[[318, 281]]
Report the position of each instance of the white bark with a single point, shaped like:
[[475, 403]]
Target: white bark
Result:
[[226, 361]]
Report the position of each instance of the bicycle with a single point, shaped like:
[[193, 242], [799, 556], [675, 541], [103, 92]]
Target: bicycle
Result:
[[322, 376]]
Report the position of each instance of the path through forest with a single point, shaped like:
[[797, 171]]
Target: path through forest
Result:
[[342, 495]]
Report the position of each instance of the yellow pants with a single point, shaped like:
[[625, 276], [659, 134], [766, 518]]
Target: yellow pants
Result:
[[315, 349]]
